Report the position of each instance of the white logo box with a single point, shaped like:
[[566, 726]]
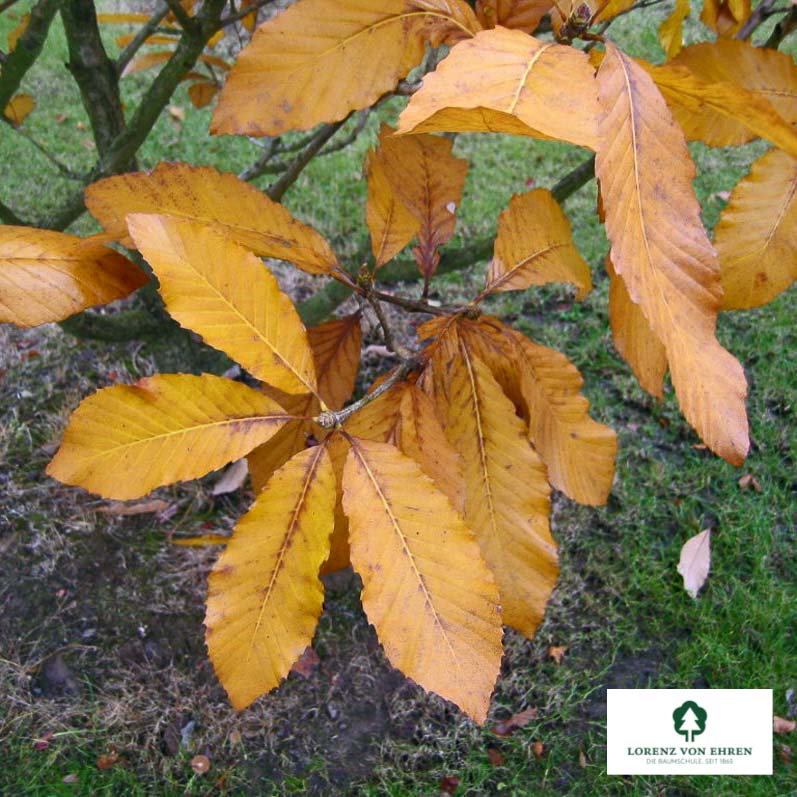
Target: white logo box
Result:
[[643, 737]]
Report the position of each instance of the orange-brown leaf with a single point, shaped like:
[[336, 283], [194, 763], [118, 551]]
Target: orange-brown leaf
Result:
[[523, 15], [765, 72], [535, 246], [508, 82], [224, 293], [507, 494], [47, 276], [391, 225], [634, 340], [662, 253], [426, 588], [223, 201], [336, 352], [264, 594], [14, 35], [318, 60], [726, 17], [126, 440], [202, 92], [429, 180], [756, 237]]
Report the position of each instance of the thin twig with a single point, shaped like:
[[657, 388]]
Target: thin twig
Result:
[[146, 30], [784, 28], [331, 419], [414, 305], [181, 15], [755, 19], [62, 167], [259, 167], [387, 332], [350, 138], [244, 12]]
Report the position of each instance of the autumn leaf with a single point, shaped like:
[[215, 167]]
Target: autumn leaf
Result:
[[726, 17], [336, 353], [406, 541], [578, 452], [507, 493], [633, 338], [306, 65], [202, 92], [15, 34], [523, 15], [126, 440], [390, 223], [671, 29], [150, 60], [781, 725], [695, 561], [756, 237], [557, 652], [535, 246], [222, 201], [18, 108], [48, 276], [224, 293], [661, 251], [264, 594], [232, 479], [504, 81], [767, 73], [428, 179], [520, 720]]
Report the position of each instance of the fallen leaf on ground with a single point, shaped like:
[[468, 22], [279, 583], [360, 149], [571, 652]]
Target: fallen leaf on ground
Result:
[[109, 760], [556, 652], [505, 727], [749, 482], [495, 757], [200, 764], [138, 508], [232, 479], [449, 784], [695, 561], [582, 758], [71, 778], [202, 540], [306, 663], [538, 748], [780, 725]]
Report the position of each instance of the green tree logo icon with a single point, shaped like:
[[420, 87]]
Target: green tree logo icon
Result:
[[689, 720]]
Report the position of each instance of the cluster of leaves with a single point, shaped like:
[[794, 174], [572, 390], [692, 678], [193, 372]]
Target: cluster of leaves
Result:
[[436, 484]]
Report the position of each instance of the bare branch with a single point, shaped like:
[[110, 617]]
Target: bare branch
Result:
[[28, 48], [146, 30], [260, 166], [244, 12], [181, 15]]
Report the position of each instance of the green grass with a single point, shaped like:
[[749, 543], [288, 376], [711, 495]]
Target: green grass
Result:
[[620, 606]]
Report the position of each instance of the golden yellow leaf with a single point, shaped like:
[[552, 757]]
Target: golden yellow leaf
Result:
[[578, 452], [122, 19], [339, 553], [662, 253], [449, 21], [523, 15], [505, 81], [428, 179], [671, 30], [18, 108], [765, 72], [535, 246], [634, 340], [756, 237], [156, 38], [264, 594], [224, 293], [725, 17], [426, 588], [202, 93], [126, 440], [149, 60], [506, 486], [419, 434], [318, 60], [201, 541], [13, 35], [200, 193], [47, 276], [391, 225]]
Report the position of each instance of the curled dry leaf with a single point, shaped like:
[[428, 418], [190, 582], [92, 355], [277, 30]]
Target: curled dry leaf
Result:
[[749, 482], [519, 720], [557, 652], [138, 508], [232, 479], [200, 764], [695, 562], [781, 725]]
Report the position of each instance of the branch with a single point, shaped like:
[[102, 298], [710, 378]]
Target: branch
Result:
[[94, 73], [755, 19], [784, 28], [27, 50], [260, 166], [5, 6], [299, 163], [244, 12], [146, 30], [330, 419], [180, 14]]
